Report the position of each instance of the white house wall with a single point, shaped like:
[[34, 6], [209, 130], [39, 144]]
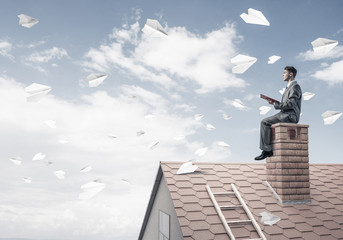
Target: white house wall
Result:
[[164, 203]]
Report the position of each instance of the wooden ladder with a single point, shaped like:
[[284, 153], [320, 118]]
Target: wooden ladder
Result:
[[228, 207]]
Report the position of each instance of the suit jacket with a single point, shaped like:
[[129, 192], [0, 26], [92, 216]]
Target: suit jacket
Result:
[[291, 102]]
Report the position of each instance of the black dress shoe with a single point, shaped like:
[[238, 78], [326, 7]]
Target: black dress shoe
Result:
[[264, 155]]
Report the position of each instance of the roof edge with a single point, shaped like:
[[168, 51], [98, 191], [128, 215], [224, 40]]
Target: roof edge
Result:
[[250, 163], [151, 201]]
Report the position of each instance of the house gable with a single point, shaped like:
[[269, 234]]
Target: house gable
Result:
[[160, 201]]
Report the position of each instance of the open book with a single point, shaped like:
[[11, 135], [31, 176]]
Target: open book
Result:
[[268, 98]]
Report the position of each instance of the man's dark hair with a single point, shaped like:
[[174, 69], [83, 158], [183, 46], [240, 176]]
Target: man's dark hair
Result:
[[292, 70]]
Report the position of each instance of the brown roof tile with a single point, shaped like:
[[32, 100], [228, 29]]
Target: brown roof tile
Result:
[[203, 234], [321, 219]]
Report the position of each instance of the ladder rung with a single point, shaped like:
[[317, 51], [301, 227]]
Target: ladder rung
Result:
[[231, 206], [240, 221], [224, 193]]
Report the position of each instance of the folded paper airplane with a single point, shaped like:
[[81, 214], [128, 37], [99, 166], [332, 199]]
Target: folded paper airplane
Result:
[[237, 103], [153, 28], [273, 59], [95, 79], [90, 189], [264, 110], [330, 117], [201, 151], [322, 46], [60, 174], [187, 167], [223, 144], [255, 17], [242, 63], [36, 91], [308, 95], [27, 21], [269, 219]]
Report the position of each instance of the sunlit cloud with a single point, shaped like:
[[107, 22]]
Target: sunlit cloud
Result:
[[182, 56], [309, 55], [5, 49], [87, 123], [37, 58], [331, 74]]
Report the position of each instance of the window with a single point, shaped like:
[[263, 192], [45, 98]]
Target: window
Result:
[[163, 231]]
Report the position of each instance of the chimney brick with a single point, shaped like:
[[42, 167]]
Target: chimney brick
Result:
[[288, 169]]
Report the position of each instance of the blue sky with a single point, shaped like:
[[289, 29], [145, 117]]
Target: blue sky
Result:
[[172, 79]]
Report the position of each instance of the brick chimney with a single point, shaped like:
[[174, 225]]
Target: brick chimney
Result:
[[288, 168]]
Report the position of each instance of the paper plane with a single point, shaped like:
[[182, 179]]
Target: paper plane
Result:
[[264, 110], [90, 189], [27, 21], [273, 59], [198, 117], [242, 63], [27, 179], [223, 144], [86, 169], [330, 117], [140, 133], [255, 17], [153, 28], [48, 163], [282, 91], [38, 156], [16, 160], [226, 116], [95, 79], [63, 139], [237, 103], [210, 127], [36, 91], [125, 181], [51, 123], [60, 174], [187, 167], [268, 218], [201, 151], [112, 135], [153, 144], [322, 46], [178, 138], [150, 116], [308, 95]]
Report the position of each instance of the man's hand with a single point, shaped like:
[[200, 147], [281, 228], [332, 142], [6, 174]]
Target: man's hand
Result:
[[270, 101]]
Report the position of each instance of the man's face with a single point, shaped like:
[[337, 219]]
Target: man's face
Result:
[[287, 75]]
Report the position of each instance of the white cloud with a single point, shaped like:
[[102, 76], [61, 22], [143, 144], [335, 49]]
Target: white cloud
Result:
[[47, 55], [310, 55], [31, 45], [5, 49], [170, 61], [126, 34], [37, 58], [50, 206], [332, 74], [113, 55]]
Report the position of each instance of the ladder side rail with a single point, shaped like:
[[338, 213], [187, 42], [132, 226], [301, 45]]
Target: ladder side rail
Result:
[[221, 215], [251, 217]]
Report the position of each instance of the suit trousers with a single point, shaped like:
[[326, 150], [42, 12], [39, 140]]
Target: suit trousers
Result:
[[266, 130]]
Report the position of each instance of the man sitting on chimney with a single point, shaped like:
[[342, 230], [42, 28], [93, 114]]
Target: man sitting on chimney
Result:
[[290, 107]]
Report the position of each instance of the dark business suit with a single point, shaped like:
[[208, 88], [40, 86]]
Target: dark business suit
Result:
[[290, 107]]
